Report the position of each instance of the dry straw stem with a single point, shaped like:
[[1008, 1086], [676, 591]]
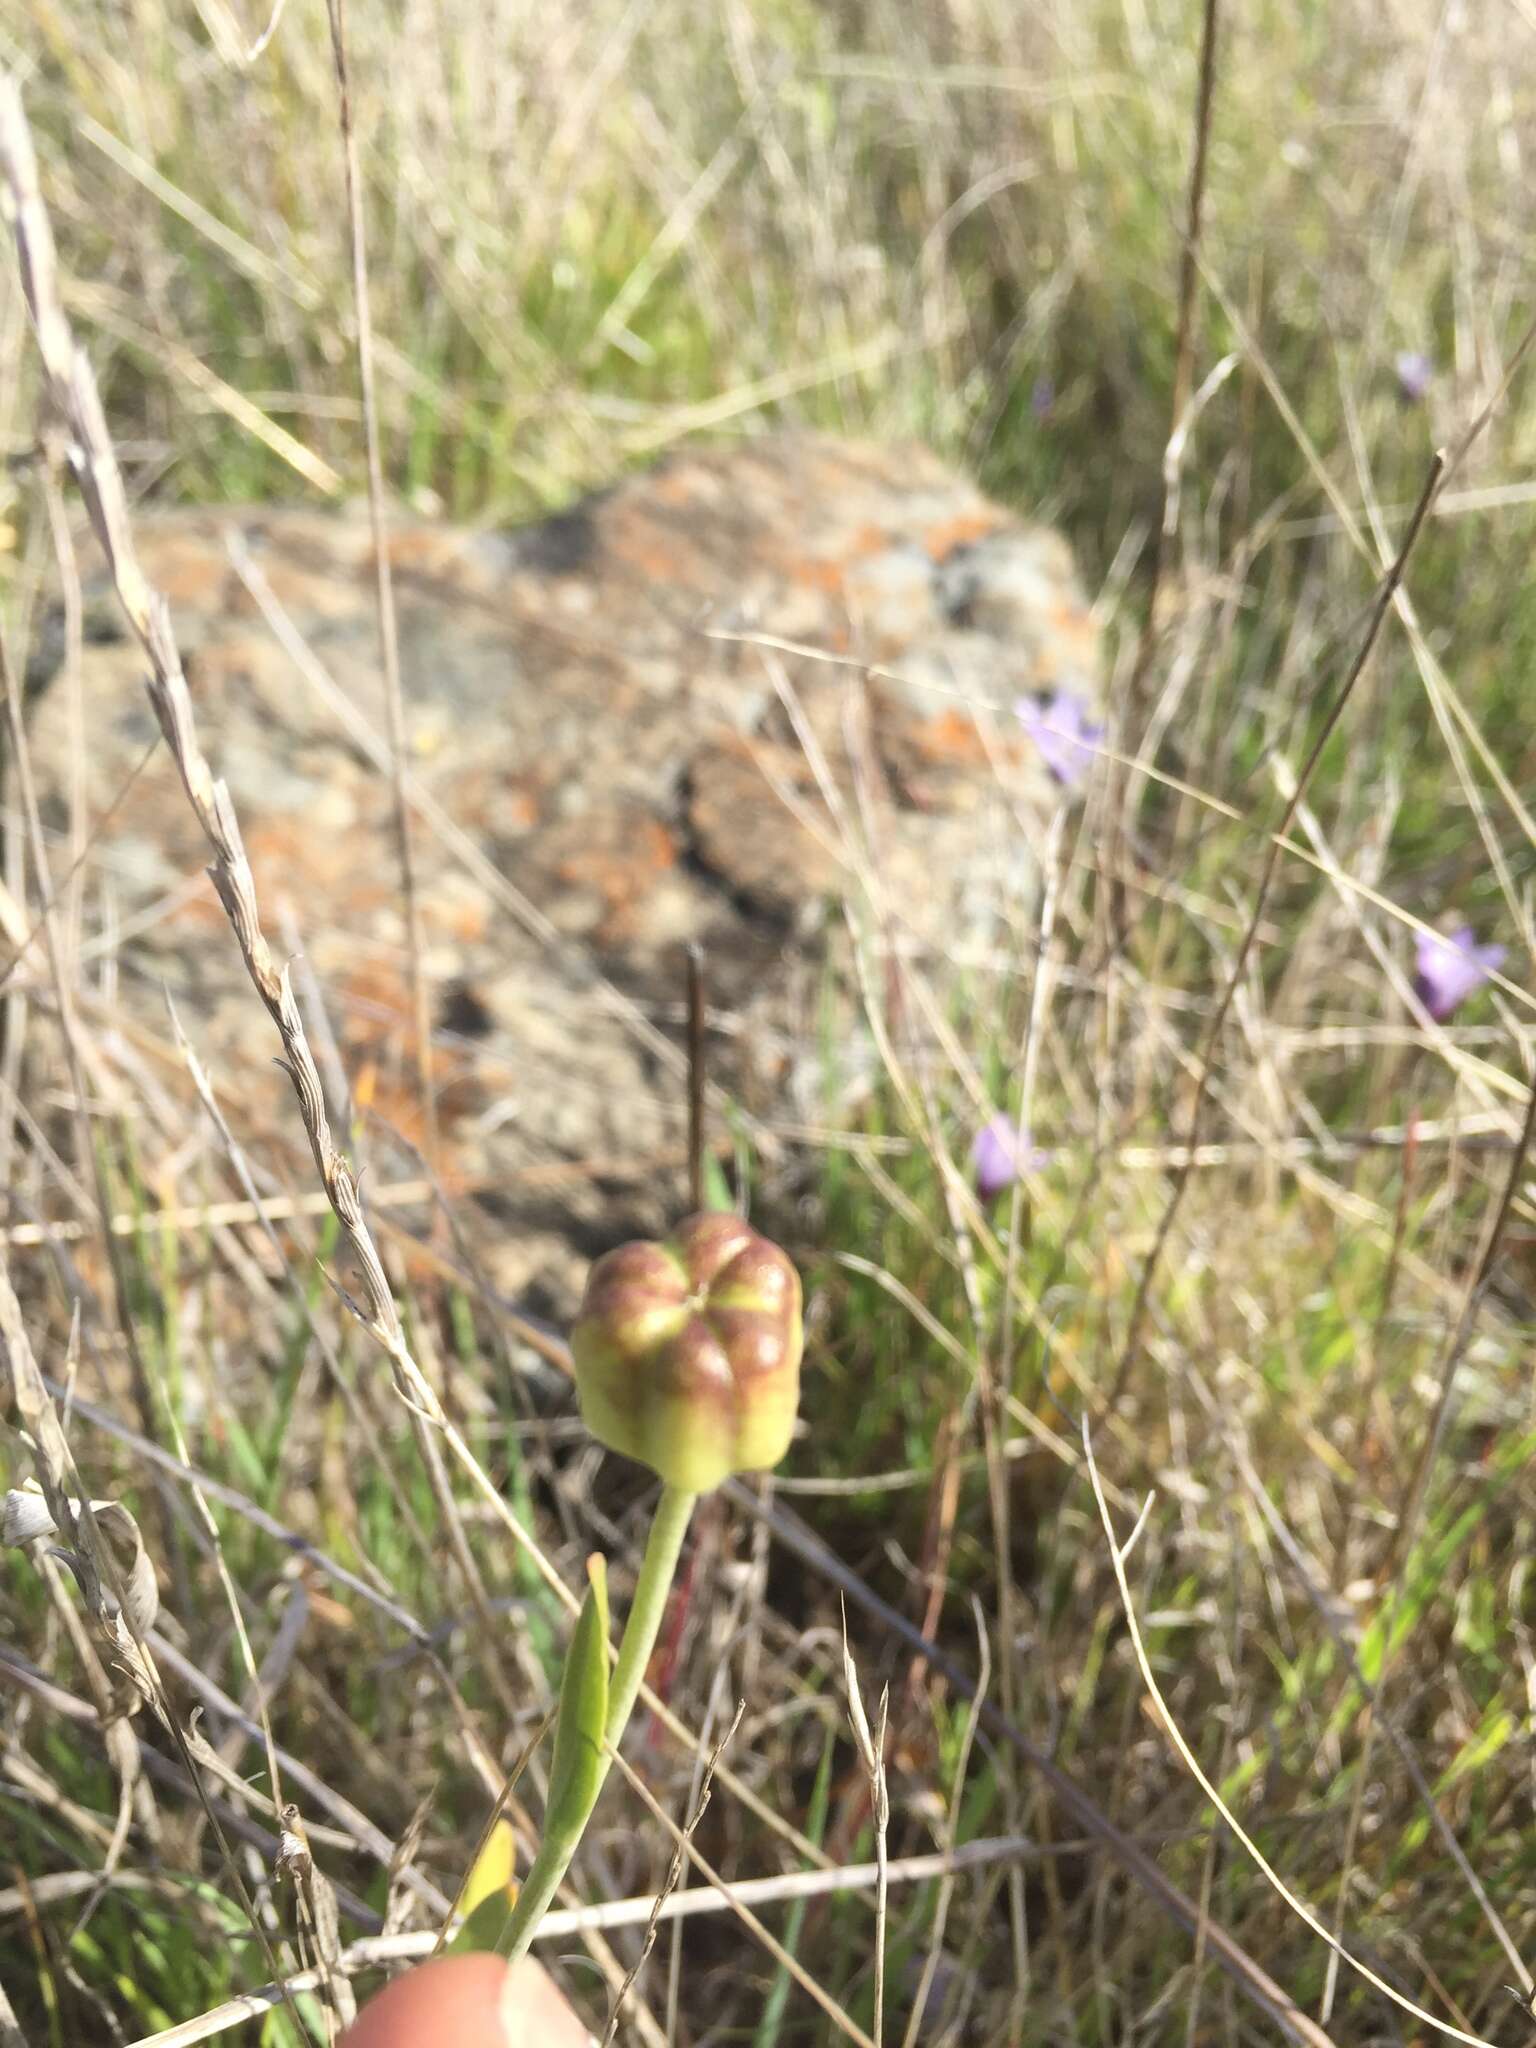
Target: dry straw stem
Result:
[[870, 1744], [1406, 1527], [946, 1889], [732, 1897], [24, 1677], [1112, 915], [66, 1512], [674, 1877], [78, 1052], [1183, 377], [112, 312], [1384, 597], [389, 639], [67, 1502], [1118, 1552]]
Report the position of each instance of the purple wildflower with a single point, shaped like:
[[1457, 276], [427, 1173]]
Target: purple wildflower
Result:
[[999, 1157], [1415, 372], [1448, 969], [1066, 736], [1042, 397]]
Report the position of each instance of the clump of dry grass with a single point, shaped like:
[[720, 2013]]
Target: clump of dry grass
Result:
[[590, 242], [1293, 1208]]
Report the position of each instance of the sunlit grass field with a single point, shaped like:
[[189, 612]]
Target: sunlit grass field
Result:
[[595, 233]]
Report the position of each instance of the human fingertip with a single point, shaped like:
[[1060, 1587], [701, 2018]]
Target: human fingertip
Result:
[[463, 2001]]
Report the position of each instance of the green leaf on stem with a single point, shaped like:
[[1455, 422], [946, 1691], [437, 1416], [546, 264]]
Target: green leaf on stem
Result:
[[577, 1771], [717, 1189], [489, 1894]]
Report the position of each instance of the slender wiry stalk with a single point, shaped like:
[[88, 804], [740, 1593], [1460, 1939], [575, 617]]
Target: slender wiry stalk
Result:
[[1407, 1527], [696, 1078], [1133, 703], [1385, 594], [1183, 355], [389, 638]]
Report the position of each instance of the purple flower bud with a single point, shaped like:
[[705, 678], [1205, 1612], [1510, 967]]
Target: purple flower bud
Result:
[[1448, 969], [999, 1157], [1060, 727], [1415, 373], [1042, 398], [688, 1353]]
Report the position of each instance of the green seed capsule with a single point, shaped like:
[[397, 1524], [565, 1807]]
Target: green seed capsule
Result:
[[688, 1352]]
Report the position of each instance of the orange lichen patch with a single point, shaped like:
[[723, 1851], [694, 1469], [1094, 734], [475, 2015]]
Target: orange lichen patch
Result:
[[190, 570], [869, 539], [376, 1014], [675, 486], [310, 587], [393, 1102], [202, 912], [365, 1086], [466, 920], [426, 550], [819, 574], [317, 866], [952, 738], [1074, 632], [661, 555], [521, 808], [619, 861], [376, 1020], [396, 1109], [959, 532], [830, 572]]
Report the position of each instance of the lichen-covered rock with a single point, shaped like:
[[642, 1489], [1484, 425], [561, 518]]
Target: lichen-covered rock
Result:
[[704, 705]]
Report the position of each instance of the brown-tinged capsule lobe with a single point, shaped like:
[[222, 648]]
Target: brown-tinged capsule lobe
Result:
[[688, 1351]]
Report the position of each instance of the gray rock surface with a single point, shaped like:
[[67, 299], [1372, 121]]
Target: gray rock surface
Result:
[[709, 704]]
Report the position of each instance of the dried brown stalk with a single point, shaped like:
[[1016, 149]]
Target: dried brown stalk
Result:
[[389, 638]]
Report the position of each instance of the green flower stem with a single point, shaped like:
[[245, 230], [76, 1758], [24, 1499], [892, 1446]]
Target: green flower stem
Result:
[[658, 1568], [663, 1547]]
